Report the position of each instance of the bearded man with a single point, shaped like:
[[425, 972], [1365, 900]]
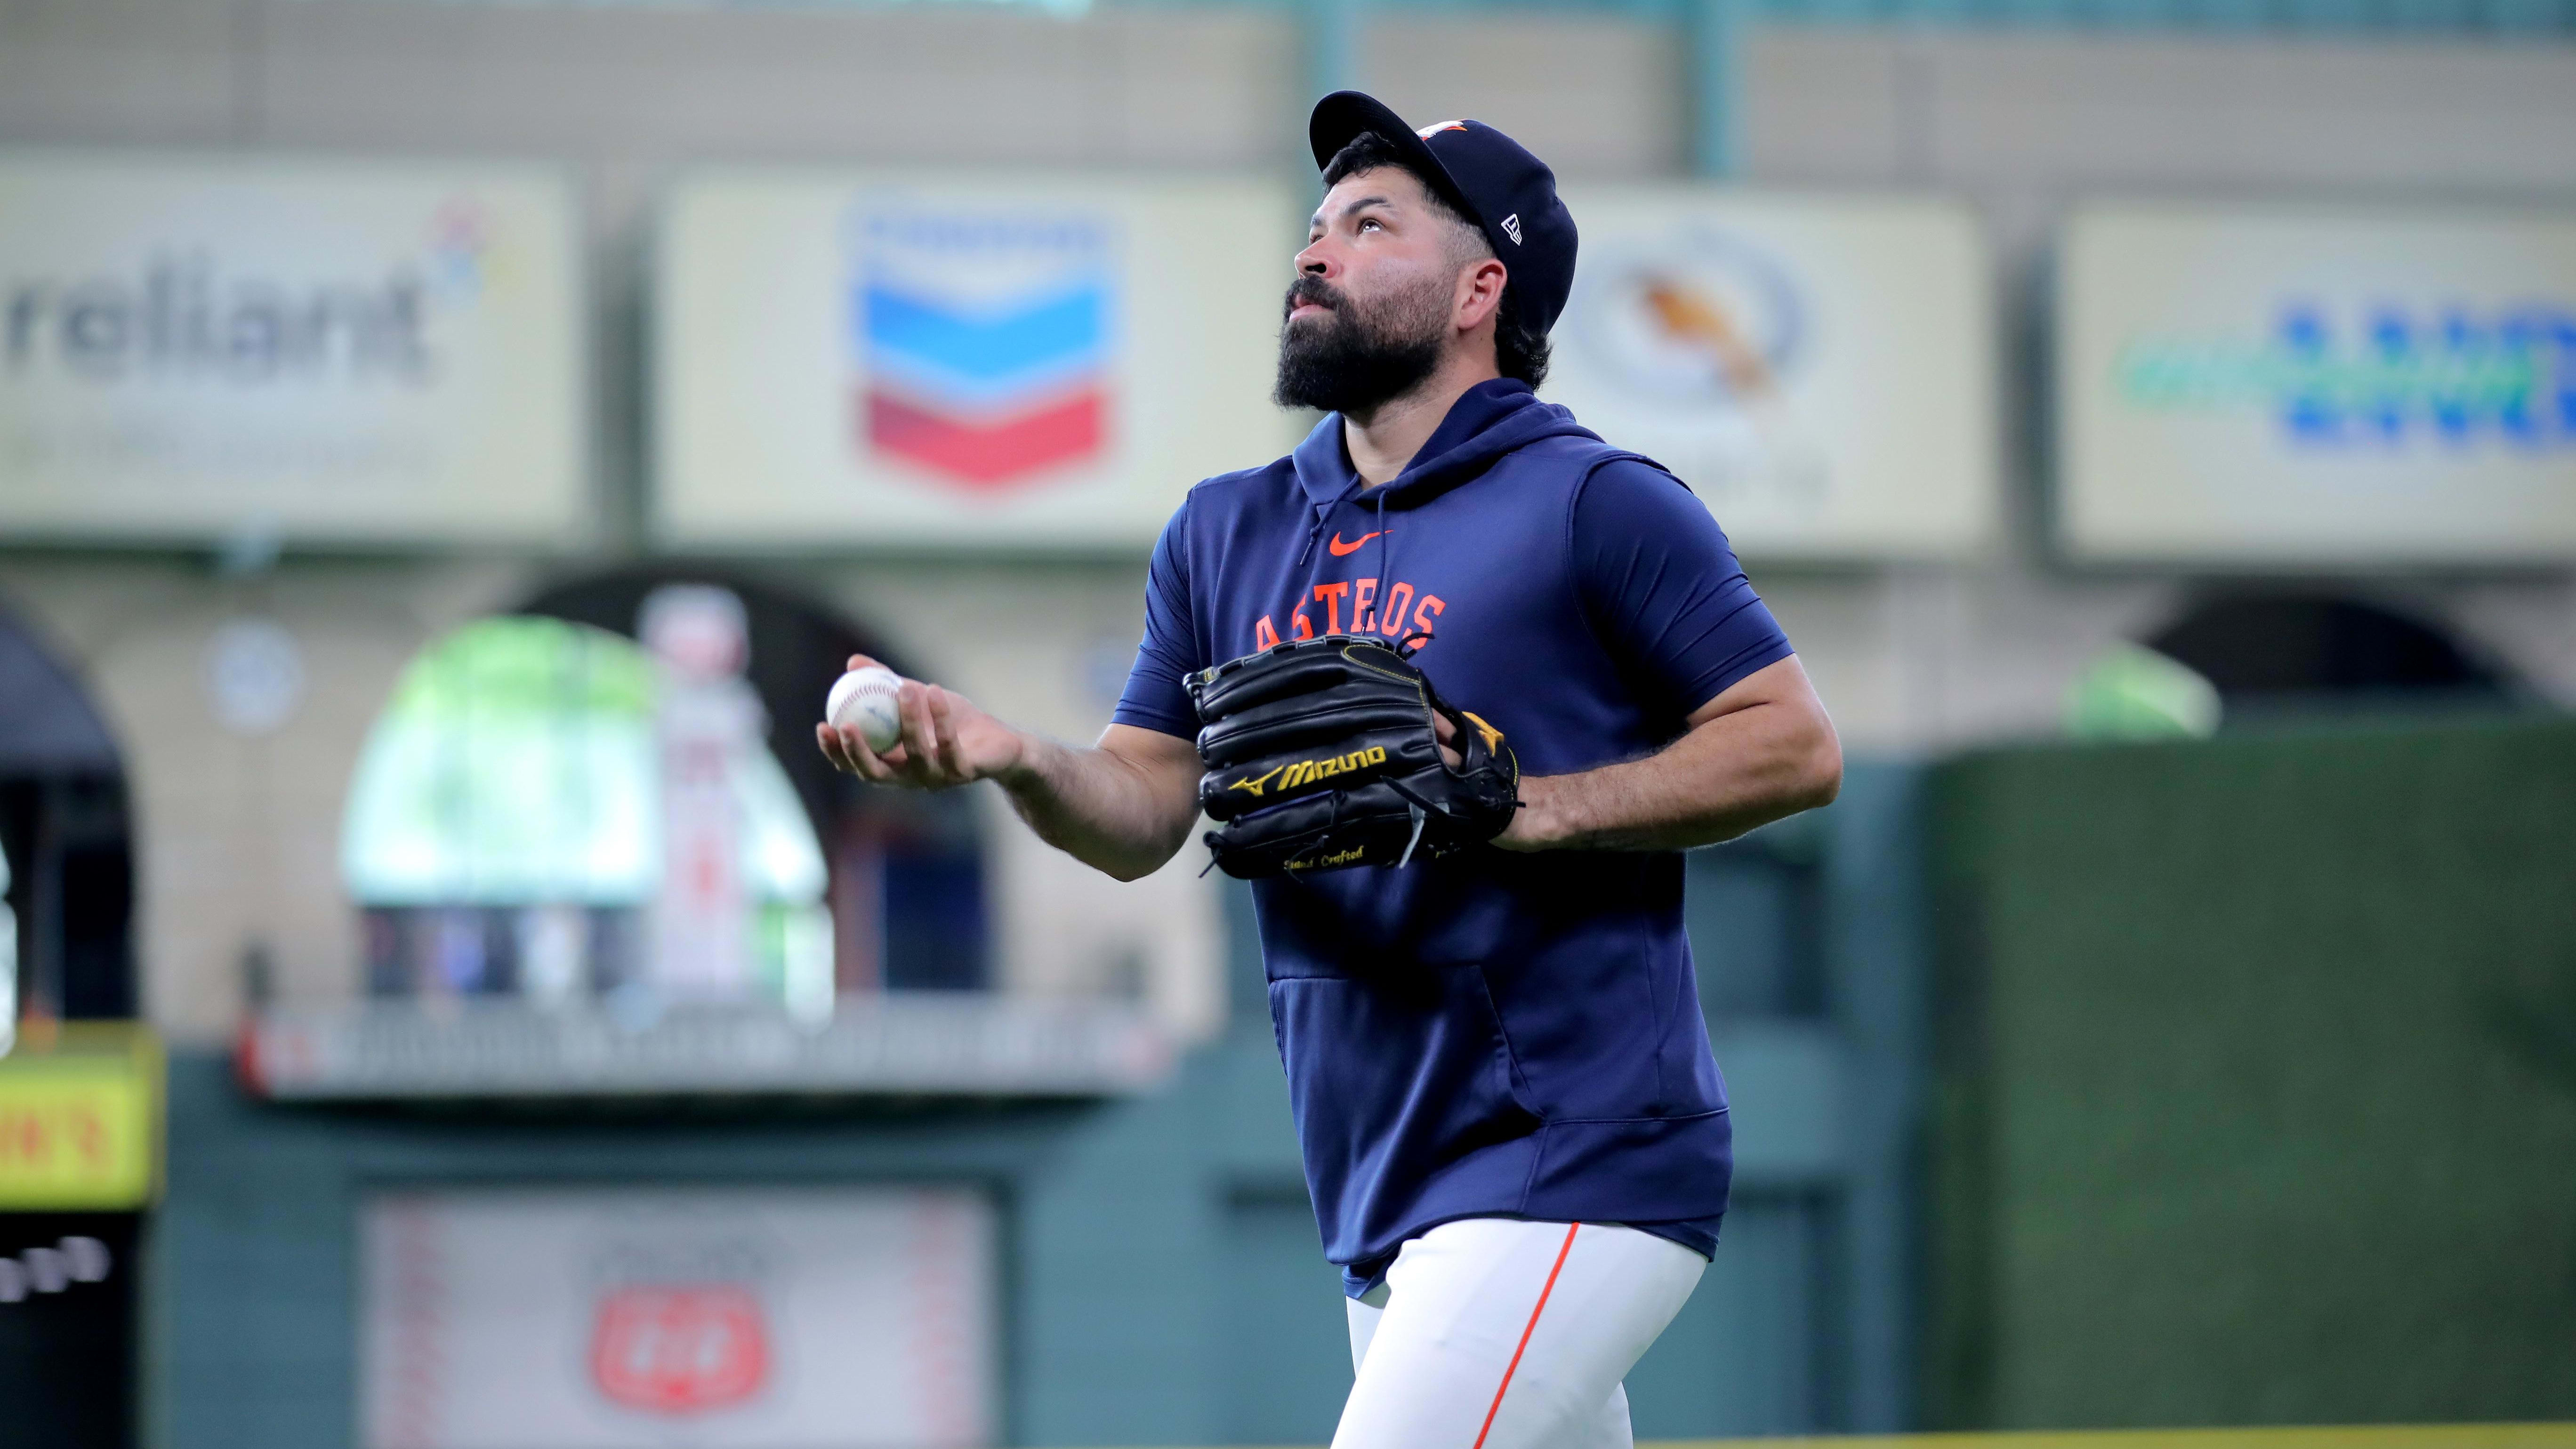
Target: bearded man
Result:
[[1514, 1133]]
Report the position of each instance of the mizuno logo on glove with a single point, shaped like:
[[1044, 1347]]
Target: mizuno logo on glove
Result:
[[1308, 771]]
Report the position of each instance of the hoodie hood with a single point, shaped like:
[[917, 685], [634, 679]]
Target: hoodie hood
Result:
[[1487, 421]]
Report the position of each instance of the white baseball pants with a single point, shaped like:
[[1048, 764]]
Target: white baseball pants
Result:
[[1493, 1333]]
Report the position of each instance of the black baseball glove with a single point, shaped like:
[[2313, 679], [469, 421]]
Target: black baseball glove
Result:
[[1321, 754]]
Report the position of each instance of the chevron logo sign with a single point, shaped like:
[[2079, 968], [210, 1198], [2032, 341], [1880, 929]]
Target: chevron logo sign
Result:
[[983, 342]]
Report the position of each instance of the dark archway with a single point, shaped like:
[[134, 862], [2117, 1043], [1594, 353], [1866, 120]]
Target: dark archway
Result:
[[907, 873], [2313, 649], [66, 1358], [66, 831]]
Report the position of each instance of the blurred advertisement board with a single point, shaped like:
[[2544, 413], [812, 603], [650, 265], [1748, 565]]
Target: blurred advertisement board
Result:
[[80, 1118], [2303, 385], [718, 1318], [1820, 370], [374, 353], [923, 359]]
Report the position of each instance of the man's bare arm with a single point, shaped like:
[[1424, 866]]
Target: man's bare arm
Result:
[[1761, 750], [1123, 806]]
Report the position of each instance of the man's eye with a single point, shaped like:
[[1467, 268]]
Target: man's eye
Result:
[[1370, 223]]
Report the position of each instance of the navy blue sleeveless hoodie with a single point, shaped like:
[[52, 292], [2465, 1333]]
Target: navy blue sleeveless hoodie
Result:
[[1494, 1033]]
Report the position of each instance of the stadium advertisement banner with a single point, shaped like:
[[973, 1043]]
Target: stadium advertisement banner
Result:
[[923, 359], [378, 353], [716, 1317], [1820, 370], [2286, 386], [80, 1118]]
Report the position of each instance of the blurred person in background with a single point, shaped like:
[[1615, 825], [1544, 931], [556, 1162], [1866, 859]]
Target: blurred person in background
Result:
[[1515, 1135]]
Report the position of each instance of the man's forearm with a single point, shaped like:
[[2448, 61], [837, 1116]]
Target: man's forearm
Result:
[[1716, 782], [1096, 806]]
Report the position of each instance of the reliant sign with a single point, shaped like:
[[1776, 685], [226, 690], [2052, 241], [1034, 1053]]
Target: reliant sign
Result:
[[912, 359], [1819, 370], [316, 351], [2303, 385]]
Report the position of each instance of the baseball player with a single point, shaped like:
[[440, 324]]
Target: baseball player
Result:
[[1460, 681]]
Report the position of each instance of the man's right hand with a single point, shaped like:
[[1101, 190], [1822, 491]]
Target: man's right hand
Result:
[[1123, 806], [946, 741]]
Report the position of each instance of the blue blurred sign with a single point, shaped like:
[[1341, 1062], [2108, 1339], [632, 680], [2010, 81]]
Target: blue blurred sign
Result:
[[2298, 385], [2381, 375]]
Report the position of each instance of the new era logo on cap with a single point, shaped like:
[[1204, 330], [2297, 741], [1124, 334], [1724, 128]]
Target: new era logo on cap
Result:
[[1512, 227], [1427, 132]]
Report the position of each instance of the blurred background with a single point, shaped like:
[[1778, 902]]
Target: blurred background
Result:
[[447, 449]]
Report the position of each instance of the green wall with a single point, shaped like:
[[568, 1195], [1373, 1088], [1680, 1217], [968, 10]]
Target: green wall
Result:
[[2252, 1096]]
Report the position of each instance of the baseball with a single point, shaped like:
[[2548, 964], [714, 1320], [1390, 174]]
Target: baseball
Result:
[[864, 699]]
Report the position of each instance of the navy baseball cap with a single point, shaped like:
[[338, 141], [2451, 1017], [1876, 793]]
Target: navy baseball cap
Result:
[[1491, 177]]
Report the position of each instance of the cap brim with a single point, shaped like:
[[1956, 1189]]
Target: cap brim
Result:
[[1344, 116]]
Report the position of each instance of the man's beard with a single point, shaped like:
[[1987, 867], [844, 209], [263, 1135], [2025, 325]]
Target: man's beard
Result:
[[1358, 357]]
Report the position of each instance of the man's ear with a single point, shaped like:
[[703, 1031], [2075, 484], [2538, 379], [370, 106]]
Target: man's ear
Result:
[[1480, 292]]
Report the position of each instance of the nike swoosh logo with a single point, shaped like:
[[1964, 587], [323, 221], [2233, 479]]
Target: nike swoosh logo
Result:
[[1341, 549]]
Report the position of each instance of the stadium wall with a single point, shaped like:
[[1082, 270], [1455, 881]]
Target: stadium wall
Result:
[[2256, 1082]]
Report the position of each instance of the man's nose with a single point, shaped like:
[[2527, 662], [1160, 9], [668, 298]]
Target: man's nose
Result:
[[1313, 261]]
